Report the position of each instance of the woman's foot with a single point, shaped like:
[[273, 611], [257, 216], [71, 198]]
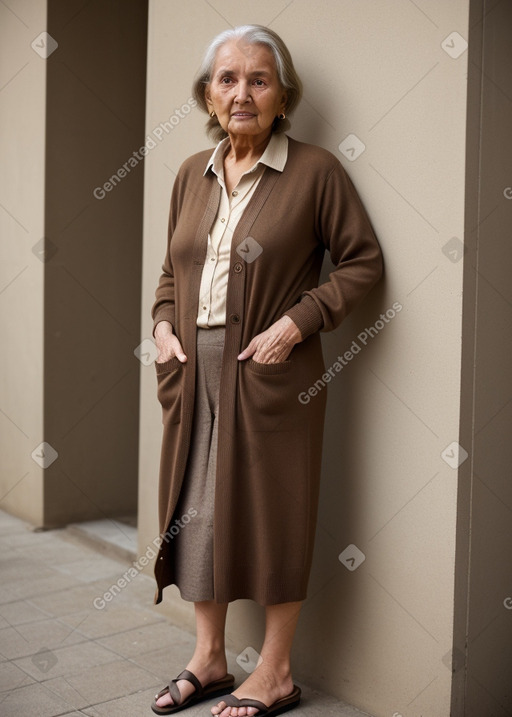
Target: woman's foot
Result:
[[206, 668], [268, 684]]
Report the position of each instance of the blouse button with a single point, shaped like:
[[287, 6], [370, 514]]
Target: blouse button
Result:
[[223, 220], [234, 193], [234, 318], [238, 267]]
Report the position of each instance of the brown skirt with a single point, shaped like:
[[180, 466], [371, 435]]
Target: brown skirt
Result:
[[192, 547]]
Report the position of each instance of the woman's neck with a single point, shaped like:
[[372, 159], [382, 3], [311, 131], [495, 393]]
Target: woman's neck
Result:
[[247, 149]]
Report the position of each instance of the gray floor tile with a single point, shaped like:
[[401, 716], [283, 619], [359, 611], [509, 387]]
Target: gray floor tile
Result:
[[65, 660], [21, 612], [109, 532], [11, 677], [94, 623], [29, 639], [15, 569], [72, 695], [32, 700], [9, 524], [140, 590], [28, 587], [79, 598], [53, 551], [134, 643], [90, 568], [7, 594], [131, 705], [102, 683]]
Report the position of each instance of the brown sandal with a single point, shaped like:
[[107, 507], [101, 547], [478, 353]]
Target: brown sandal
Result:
[[212, 689], [282, 705]]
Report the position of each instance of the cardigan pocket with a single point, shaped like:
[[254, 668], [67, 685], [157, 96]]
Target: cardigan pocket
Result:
[[269, 369], [267, 396], [169, 378]]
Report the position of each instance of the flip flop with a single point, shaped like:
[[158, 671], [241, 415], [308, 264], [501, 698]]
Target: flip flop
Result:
[[282, 705], [212, 689]]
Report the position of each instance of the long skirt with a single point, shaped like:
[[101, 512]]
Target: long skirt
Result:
[[193, 545]]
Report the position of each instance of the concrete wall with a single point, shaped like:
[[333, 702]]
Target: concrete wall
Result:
[[394, 75], [422, 626], [73, 109], [22, 149], [95, 121]]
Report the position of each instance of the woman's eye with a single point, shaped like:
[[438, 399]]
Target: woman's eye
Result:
[[225, 80], [259, 83]]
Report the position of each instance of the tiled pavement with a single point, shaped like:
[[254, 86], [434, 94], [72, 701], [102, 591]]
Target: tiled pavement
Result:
[[59, 655]]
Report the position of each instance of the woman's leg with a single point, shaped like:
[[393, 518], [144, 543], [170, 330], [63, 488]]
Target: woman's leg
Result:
[[272, 679], [208, 662]]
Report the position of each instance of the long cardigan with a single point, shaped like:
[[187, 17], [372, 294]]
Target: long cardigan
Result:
[[270, 442]]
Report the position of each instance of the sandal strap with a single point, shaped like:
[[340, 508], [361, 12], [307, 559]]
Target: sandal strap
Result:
[[174, 689], [232, 701]]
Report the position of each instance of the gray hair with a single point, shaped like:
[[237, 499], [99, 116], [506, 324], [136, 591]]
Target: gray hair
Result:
[[252, 35]]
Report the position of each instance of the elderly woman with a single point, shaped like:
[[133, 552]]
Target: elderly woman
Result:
[[237, 318]]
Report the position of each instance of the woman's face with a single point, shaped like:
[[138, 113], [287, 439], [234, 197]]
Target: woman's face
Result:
[[245, 92]]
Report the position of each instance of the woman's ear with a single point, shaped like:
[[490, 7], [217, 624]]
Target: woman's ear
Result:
[[208, 98], [284, 100]]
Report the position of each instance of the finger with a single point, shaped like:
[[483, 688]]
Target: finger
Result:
[[179, 353], [247, 352]]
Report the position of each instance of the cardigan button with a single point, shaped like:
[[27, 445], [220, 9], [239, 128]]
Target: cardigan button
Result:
[[238, 267], [234, 318]]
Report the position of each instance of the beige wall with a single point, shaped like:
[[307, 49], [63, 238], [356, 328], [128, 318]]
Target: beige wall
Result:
[[22, 151], [379, 637], [437, 573], [70, 324]]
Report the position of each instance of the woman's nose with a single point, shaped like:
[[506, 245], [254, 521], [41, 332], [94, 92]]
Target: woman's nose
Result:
[[242, 91]]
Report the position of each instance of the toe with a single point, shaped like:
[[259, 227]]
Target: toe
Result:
[[217, 709], [164, 701]]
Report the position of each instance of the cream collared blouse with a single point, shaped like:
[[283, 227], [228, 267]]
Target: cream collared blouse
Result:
[[214, 278]]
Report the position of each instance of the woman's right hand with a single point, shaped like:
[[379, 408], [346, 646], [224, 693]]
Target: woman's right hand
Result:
[[167, 343]]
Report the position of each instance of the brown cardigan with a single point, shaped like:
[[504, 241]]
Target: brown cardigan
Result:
[[270, 443]]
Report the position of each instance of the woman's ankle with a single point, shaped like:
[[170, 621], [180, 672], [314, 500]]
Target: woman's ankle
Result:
[[279, 665]]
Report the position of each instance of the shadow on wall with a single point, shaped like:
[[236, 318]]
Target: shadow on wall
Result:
[[95, 118]]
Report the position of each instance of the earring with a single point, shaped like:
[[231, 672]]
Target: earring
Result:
[[282, 116], [212, 114]]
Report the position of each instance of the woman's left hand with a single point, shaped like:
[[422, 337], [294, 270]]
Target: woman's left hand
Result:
[[275, 344]]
